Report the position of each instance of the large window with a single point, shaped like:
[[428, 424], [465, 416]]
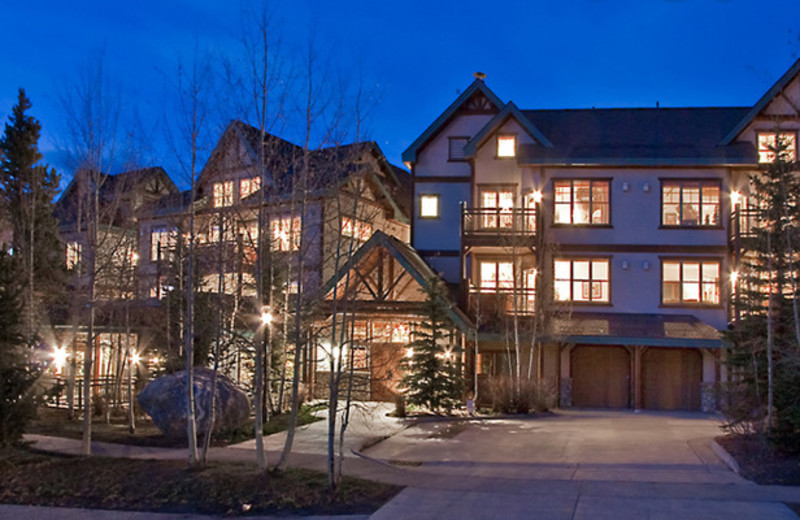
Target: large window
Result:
[[690, 282], [355, 228], [429, 206], [286, 234], [767, 143], [223, 194], [496, 276], [690, 203], [581, 201], [249, 186], [500, 199], [581, 280]]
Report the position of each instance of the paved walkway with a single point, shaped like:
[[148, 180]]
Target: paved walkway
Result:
[[572, 465]]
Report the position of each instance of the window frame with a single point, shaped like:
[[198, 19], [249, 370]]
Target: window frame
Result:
[[450, 140], [227, 195], [775, 134], [253, 186], [591, 280], [360, 230], [497, 146], [681, 260], [592, 181], [701, 181], [74, 255], [438, 198]]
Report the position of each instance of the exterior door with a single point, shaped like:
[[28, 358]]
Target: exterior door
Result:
[[601, 377], [672, 379]]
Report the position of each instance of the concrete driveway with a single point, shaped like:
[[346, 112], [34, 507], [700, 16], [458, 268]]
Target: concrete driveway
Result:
[[576, 464]]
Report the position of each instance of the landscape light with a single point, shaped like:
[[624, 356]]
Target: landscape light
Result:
[[266, 317]]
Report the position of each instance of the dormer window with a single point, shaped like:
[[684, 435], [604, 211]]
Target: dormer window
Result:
[[767, 144], [506, 146], [456, 148], [223, 194]]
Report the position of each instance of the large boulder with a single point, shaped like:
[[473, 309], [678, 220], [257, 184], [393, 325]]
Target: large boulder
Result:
[[164, 400]]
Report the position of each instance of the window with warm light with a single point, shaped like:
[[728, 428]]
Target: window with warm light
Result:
[[73, 255], [582, 201], [768, 143], [249, 186], [500, 199], [162, 243], [356, 228], [286, 234], [223, 194], [581, 280], [429, 206], [690, 203], [506, 146], [690, 282], [496, 276]]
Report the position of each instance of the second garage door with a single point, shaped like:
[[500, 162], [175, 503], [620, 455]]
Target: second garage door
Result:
[[671, 378], [601, 377]]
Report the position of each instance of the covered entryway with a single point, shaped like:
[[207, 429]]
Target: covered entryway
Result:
[[671, 378], [601, 377]]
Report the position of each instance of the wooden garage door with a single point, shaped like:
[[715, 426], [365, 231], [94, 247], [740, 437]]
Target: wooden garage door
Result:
[[601, 377], [671, 379]]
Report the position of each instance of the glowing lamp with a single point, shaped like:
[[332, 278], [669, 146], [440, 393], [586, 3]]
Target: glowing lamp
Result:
[[59, 357], [736, 198], [135, 358], [266, 318], [537, 196]]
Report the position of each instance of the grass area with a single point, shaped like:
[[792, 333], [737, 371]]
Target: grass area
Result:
[[762, 462], [30, 477], [54, 422]]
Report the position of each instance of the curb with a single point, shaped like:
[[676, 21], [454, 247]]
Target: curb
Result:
[[726, 457]]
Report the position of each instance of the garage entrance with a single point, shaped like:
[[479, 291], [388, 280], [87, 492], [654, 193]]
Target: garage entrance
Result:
[[601, 377], [671, 378]]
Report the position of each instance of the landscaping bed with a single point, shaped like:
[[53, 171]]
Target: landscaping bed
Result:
[[36, 478], [761, 462]]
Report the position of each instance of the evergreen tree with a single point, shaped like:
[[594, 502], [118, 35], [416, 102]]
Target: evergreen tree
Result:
[[765, 341], [18, 395], [28, 191], [432, 370]]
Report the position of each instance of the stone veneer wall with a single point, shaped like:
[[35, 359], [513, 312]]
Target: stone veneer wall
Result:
[[565, 400]]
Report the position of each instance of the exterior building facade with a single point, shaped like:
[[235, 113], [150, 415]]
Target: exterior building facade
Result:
[[599, 242]]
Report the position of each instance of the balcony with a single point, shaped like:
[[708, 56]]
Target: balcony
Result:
[[744, 222], [501, 300], [498, 226]]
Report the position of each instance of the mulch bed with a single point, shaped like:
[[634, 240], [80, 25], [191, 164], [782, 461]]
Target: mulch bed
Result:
[[30, 477], [761, 462]]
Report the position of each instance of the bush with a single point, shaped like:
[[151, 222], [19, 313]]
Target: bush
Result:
[[534, 395]]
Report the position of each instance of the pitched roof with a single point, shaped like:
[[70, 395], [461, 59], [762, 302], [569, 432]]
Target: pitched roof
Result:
[[410, 154], [407, 257], [509, 111], [762, 103], [646, 136], [657, 330]]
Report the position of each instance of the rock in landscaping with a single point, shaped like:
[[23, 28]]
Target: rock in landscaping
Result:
[[164, 400]]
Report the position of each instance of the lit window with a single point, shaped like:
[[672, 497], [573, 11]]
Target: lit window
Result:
[[286, 234], [496, 276], [330, 356], [690, 203], [73, 255], [455, 147], [501, 200], [506, 146], [429, 206], [581, 202], [355, 228], [391, 332], [223, 194], [767, 145], [693, 282], [162, 243], [249, 186], [581, 280]]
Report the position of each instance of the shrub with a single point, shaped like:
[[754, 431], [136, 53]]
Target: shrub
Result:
[[534, 395]]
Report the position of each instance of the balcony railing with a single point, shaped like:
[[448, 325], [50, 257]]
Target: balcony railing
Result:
[[744, 223], [502, 300], [494, 222]]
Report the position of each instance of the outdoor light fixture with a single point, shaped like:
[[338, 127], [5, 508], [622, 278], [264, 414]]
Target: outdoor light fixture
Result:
[[266, 317], [736, 198], [537, 196], [135, 358], [59, 356], [625, 186], [734, 278]]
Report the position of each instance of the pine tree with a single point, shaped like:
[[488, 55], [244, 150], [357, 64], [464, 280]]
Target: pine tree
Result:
[[432, 372], [28, 191], [765, 341], [18, 396]]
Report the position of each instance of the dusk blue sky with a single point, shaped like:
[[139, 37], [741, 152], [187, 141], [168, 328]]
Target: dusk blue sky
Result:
[[418, 55]]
